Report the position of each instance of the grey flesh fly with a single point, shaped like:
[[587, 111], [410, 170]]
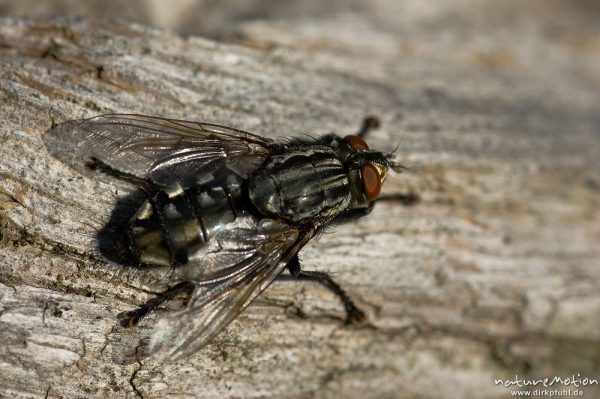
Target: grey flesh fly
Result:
[[227, 210]]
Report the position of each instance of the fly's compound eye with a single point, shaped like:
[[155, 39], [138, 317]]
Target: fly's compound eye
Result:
[[371, 180], [356, 142]]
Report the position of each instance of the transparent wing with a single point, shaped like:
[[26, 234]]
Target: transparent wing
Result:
[[213, 306], [157, 149]]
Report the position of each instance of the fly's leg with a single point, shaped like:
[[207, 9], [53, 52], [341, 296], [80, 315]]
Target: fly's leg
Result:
[[353, 214], [406, 199], [369, 123], [131, 318], [353, 313], [96, 164]]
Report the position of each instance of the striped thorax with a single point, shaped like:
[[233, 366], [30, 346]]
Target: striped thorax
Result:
[[301, 185]]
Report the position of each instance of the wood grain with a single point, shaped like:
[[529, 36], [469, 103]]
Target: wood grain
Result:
[[495, 272]]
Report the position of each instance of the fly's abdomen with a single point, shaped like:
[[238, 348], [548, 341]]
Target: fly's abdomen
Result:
[[170, 227], [300, 185]]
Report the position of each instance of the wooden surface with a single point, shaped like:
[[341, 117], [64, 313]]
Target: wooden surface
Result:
[[495, 272]]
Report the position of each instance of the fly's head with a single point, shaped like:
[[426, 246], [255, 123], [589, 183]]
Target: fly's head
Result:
[[366, 169]]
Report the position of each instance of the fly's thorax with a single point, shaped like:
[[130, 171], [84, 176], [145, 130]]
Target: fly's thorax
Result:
[[301, 185]]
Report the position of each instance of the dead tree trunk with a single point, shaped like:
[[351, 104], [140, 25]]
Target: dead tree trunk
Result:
[[495, 272]]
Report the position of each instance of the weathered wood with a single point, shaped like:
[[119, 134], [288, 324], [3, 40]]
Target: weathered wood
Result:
[[494, 273]]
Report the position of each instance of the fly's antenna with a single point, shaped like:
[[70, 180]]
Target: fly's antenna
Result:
[[395, 166], [391, 154]]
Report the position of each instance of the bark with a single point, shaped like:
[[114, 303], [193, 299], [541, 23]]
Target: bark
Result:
[[494, 272]]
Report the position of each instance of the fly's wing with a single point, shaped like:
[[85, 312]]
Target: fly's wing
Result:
[[213, 306], [157, 149]]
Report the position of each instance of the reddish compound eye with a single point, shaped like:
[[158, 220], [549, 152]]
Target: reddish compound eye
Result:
[[371, 181], [356, 142]]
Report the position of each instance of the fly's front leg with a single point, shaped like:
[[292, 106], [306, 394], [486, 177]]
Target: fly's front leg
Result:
[[369, 123], [131, 318], [354, 213], [406, 199], [353, 313]]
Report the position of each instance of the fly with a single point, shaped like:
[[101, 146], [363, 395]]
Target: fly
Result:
[[227, 210]]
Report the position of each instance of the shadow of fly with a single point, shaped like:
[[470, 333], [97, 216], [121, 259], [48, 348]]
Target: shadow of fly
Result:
[[227, 210]]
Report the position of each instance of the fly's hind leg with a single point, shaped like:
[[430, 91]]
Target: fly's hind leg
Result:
[[96, 164], [131, 318], [353, 313]]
